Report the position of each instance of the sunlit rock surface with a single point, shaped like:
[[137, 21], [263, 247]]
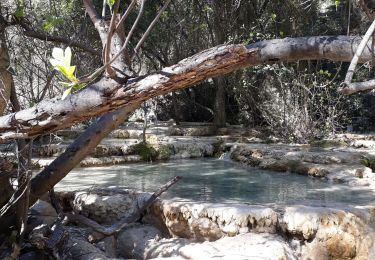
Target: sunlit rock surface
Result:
[[145, 242], [231, 230], [330, 233], [339, 165], [211, 221], [105, 205]]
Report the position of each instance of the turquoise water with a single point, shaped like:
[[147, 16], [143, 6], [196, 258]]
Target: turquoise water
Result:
[[212, 180]]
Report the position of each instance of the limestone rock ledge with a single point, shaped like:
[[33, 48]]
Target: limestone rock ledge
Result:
[[335, 165], [185, 229], [312, 232], [210, 222]]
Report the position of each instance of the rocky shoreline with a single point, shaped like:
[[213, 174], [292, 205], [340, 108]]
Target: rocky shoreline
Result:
[[188, 230]]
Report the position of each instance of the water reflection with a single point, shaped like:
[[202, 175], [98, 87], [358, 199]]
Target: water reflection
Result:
[[211, 180]]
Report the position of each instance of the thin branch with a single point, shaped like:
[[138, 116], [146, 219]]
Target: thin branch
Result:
[[89, 7], [101, 69], [104, 7], [48, 84], [126, 14], [111, 30], [46, 37], [150, 27], [348, 87], [358, 53]]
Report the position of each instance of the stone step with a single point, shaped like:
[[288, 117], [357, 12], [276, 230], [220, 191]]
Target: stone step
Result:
[[108, 147], [91, 161]]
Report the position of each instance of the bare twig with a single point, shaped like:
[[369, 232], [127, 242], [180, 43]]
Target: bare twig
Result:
[[126, 14], [150, 27], [48, 84], [28, 31], [124, 46], [104, 7]]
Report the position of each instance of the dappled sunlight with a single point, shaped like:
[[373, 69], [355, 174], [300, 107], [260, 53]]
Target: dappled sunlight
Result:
[[210, 180]]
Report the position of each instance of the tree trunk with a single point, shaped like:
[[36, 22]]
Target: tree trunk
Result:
[[108, 95], [219, 105], [5, 76], [220, 37]]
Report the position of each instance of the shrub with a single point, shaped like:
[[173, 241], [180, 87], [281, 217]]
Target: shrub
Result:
[[146, 151]]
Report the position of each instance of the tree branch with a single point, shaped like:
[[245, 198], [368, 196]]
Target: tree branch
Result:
[[89, 7], [126, 14], [361, 47], [150, 27], [108, 95], [357, 87], [46, 37]]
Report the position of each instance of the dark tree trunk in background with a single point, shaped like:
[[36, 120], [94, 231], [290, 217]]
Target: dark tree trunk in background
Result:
[[219, 105], [219, 38], [5, 76]]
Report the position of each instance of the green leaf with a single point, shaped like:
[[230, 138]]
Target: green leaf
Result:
[[46, 26], [110, 3], [51, 22], [66, 93]]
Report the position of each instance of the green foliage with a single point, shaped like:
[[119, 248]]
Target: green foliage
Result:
[[337, 4], [19, 13], [218, 147], [51, 22], [146, 151], [61, 62], [325, 73], [110, 3], [368, 162]]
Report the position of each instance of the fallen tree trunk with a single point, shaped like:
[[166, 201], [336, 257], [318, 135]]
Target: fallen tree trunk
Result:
[[108, 95]]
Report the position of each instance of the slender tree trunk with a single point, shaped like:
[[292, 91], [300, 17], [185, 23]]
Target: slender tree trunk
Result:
[[220, 37], [219, 105], [5, 76]]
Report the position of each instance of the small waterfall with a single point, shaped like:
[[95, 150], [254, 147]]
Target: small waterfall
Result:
[[225, 156]]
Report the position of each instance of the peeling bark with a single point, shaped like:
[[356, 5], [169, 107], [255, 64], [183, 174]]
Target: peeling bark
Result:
[[108, 95]]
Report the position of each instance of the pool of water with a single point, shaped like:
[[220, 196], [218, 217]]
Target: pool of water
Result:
[[213, 180]]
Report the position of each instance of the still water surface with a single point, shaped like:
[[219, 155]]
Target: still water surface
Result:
[[213, 180]]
